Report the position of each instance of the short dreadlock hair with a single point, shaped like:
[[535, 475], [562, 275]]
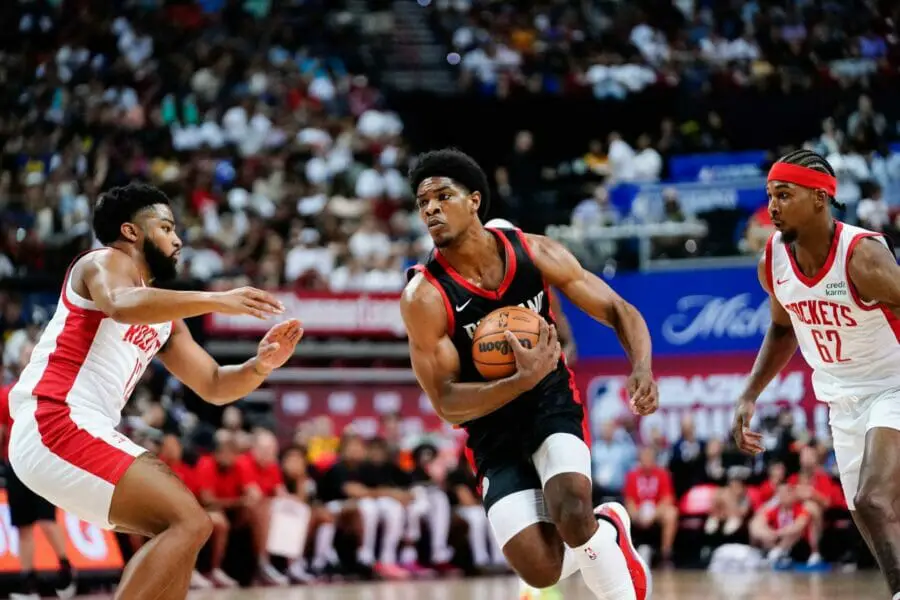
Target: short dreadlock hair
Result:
[[456, 165], [816, 162]]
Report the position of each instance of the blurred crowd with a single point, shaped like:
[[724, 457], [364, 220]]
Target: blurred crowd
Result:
[[284, 164], [613, 49]]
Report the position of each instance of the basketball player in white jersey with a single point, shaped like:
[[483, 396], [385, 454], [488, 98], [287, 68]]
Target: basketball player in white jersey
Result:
[[109, 324], [835, 293]]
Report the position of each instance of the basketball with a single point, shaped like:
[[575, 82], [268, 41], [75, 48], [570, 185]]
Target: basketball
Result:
[[491, 352]]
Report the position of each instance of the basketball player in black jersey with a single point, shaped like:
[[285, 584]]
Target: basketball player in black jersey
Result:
[[528, 437]]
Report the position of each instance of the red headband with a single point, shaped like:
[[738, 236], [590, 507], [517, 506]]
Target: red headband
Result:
[[803, 176]]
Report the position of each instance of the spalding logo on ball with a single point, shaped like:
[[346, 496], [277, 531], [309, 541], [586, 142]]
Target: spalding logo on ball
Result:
[[491, 352]]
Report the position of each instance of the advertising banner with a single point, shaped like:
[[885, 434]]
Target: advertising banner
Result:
[[704, 386], [89, 547], [688, 312], [323, 313], [717, 166], [745, 194]]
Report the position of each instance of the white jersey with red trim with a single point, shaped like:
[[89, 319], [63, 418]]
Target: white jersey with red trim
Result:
[[852, 346], [86, 359]]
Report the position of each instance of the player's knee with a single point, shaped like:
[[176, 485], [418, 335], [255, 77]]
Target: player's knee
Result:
[[194, 523], [568, 503], [875, 501]]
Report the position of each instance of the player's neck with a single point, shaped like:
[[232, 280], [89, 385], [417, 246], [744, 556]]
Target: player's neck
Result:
[[813, 246], [471, 254]]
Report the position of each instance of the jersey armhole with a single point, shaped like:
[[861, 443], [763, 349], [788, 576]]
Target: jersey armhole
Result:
[[451, 317], [854, 293], [769, 266]]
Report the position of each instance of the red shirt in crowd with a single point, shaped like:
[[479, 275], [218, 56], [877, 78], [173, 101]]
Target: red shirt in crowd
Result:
[[267, 478], [766, 491], [5, 419], [649, 485], [820, 482], [224, 484], [778, 516]]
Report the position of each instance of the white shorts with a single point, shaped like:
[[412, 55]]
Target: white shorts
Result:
[[850, 421], [71, 456]]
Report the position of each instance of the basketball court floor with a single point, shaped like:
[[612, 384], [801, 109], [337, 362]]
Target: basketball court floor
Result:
[[676, 585]]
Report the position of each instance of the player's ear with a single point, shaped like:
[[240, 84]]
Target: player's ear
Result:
[[129, 231], [475, 201], [822, 200]]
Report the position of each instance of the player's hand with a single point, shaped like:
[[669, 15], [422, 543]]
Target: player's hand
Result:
[[249, 301], [277, 346], [643, 393], [747, 441], [536, 363]]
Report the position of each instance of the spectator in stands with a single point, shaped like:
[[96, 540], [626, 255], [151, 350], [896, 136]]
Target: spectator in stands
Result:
[[781, 526], [465, 497], [732, 504], [613, 455], [261, 481], [776, 475], [350, 485], [621, 159], [172, 453], [518, 179], [873, 212], [650, 500], [596, 211], [714, 466], [218, 481], [389, 502], [430, 502], [232, 419], [688, 457], [815, 489], [647, 164], [865, 124], [759, 229], [301, 488]]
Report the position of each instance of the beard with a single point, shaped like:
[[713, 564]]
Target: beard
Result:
[[162, 267], [789, 236]]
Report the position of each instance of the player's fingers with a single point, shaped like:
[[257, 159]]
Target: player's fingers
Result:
[[543, 332], [514, 343], [263, 307], [265, 298], [553, 337]]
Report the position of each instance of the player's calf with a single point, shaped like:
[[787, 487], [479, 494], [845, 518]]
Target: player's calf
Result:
[[150, 499]]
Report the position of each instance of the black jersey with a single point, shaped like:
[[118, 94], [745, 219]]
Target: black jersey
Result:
[[466, 305]]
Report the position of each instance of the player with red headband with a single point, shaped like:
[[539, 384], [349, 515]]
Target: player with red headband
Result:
[[834, 291]]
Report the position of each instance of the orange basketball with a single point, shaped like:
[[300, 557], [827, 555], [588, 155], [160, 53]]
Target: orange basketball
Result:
[[491, 352]]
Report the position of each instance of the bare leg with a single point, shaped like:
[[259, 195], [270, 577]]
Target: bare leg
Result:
[[667, 516], [877, 500], [536, 554], [150, 498], [219, 538]]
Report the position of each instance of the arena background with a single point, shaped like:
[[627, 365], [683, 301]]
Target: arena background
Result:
[[636, 133]]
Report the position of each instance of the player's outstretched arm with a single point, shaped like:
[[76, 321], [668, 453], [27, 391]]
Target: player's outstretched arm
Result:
[[777, 348], [436, 362], [114, 285], [592, 295], [874, 273], [194, 367]]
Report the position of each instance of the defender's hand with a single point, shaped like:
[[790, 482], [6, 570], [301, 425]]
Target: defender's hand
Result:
[[278, 346], [535, 364], [747, 441], [249, 301]]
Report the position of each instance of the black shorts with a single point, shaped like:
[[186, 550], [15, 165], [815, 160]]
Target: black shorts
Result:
[[501, 450], [25, 507]]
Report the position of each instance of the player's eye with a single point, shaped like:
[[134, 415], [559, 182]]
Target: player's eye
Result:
[[443, 197]]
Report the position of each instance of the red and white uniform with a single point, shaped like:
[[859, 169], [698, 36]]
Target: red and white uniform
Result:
[[68, 402], [852, 346]]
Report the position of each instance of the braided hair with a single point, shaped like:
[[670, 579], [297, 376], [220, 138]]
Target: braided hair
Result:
[[816, 162]]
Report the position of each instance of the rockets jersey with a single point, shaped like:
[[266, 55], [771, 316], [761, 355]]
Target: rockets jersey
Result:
[[87, 360], [852, 346], [467, 304]]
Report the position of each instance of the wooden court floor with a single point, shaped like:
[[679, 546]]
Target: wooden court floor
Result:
[[675, 585]]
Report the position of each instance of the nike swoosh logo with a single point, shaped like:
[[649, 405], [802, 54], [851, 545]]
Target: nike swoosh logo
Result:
[[464, 305], [780, 281]]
